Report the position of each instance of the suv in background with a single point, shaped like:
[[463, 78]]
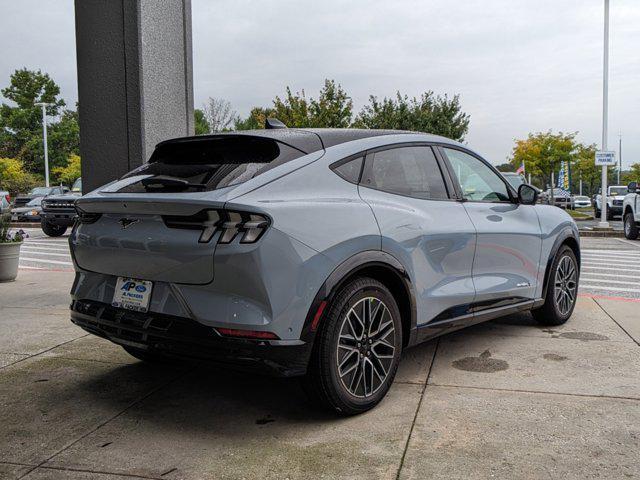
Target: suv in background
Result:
[[631, 209], [59, 212], [560, 198], [22, 200], [615, 198]]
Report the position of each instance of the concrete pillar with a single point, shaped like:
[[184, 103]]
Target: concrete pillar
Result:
[[135, 82]]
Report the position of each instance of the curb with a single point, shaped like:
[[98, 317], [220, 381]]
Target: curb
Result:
[[24, 225], [592, 233]]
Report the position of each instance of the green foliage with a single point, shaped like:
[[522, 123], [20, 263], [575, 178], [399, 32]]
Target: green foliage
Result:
[[14, 177], [543, 153], [255, 120], [201, 124], [505, 167], [633, 175], [430, 113], [69, 173], [5, 235], [21, 123], [584, 167]]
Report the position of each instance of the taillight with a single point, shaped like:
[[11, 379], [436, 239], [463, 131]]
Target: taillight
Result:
[[249, 227], [87, 217]]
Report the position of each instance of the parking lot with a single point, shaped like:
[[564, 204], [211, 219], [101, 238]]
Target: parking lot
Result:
[[505, 399]]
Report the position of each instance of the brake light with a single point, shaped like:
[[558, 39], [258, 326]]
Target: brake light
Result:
[[249, 226], [250, 334]]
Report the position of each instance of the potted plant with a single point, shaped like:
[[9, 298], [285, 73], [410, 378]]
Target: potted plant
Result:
[[9, 249]]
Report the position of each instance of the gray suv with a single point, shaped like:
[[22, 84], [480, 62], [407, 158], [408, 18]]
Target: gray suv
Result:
[[314, 253]]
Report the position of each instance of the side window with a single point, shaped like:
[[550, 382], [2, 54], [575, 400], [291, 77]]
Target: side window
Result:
[[411, 171], [478, 182], [350, 170]]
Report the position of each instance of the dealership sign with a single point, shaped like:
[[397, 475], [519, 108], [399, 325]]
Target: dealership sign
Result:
[[604, 158]]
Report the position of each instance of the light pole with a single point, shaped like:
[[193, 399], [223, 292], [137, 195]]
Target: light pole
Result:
[[44, 106], [605, 107], [619, 155]]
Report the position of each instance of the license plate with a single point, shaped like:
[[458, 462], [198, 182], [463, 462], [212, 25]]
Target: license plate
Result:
[[14, 218], [132, 294]]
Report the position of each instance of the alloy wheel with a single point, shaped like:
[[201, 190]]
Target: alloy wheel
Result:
[[566, 285], [366, 347]]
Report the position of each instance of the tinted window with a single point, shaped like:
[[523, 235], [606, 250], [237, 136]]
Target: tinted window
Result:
[[411, 171], [350, 170], [205, 164], [477, 180]]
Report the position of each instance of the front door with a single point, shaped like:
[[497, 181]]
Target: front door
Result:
[[423, 226], [509, 242]]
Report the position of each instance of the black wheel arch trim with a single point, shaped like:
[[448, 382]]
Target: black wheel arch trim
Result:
[[346, 270], [560, 240]]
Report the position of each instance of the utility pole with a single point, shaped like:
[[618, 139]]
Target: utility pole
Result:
[[44, 106], [605, 111]]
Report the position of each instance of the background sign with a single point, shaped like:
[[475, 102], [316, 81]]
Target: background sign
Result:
[[605, 158]]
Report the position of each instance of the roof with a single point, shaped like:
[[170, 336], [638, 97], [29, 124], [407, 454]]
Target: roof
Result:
[[306, 140]]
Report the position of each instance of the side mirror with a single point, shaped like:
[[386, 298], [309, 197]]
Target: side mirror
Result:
[[527, 195], [633, 187]]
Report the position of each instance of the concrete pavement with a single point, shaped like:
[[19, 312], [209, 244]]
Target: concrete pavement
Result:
[[506, 399]]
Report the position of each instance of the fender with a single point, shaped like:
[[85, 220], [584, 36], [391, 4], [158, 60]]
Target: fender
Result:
[[346, 270], [566, 233]]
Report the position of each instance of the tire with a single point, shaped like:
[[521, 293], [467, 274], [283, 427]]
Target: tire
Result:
[[630, 227], [145, 355], [343, 349], [52, 230], [597, 213], [558, 312], [609, 215]]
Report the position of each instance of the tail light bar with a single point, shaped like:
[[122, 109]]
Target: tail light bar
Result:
[[87, 217], [250, 226], [249, 334]]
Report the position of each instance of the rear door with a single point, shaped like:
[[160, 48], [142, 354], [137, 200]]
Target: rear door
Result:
[[509, 243], [423, 226]]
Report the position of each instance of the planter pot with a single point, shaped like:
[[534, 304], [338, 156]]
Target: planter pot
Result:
[[9, 257]]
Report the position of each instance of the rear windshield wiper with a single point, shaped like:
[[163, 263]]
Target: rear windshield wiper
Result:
[[165, 182]]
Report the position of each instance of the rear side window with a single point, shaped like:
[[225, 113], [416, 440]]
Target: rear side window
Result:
[[410, 171], [205, 164], [350, 170]]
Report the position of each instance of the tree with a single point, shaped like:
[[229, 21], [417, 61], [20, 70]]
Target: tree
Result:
[[543, 153], [21, 123], [255, 120], [219, 115], [430, 113], [69, 173], [200, 122], [332, 109], [505, 167], [14, 177], [585, 168], [632, 175]]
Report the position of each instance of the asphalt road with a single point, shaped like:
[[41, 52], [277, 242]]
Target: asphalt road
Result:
[[610, 266]]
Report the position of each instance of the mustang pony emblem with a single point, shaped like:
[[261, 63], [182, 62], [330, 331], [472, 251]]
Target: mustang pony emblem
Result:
[[126, 222]]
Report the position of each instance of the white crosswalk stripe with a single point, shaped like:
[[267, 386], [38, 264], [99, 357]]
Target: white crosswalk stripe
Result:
[[46, 253], [613, 271]]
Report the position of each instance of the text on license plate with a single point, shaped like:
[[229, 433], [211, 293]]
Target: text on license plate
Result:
[[132, 294]]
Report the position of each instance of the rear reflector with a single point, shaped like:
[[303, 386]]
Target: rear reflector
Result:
[[255, 334], [318, 315]]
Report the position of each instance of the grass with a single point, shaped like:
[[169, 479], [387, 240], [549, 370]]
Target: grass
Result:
[[581, 214]]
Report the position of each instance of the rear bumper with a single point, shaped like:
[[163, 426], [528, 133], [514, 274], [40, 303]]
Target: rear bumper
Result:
[[182, 337]]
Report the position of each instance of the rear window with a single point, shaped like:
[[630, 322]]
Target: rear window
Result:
[[206, 164]]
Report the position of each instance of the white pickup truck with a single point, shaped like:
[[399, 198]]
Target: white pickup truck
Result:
[[631, 209], [615, 197]]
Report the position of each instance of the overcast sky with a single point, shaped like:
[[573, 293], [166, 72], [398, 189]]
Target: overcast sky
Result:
[[519, 66]]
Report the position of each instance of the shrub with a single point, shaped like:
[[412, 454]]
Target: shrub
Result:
[[14, 177]]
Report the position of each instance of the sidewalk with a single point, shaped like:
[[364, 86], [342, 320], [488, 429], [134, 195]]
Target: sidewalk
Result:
[[507, 399]]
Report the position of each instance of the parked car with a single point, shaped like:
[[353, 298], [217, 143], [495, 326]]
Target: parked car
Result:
[[37, 192], [631, 209], [581, 201], [322, 253], [560, 198], [615, 199], [27, 213], [59, 212]]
